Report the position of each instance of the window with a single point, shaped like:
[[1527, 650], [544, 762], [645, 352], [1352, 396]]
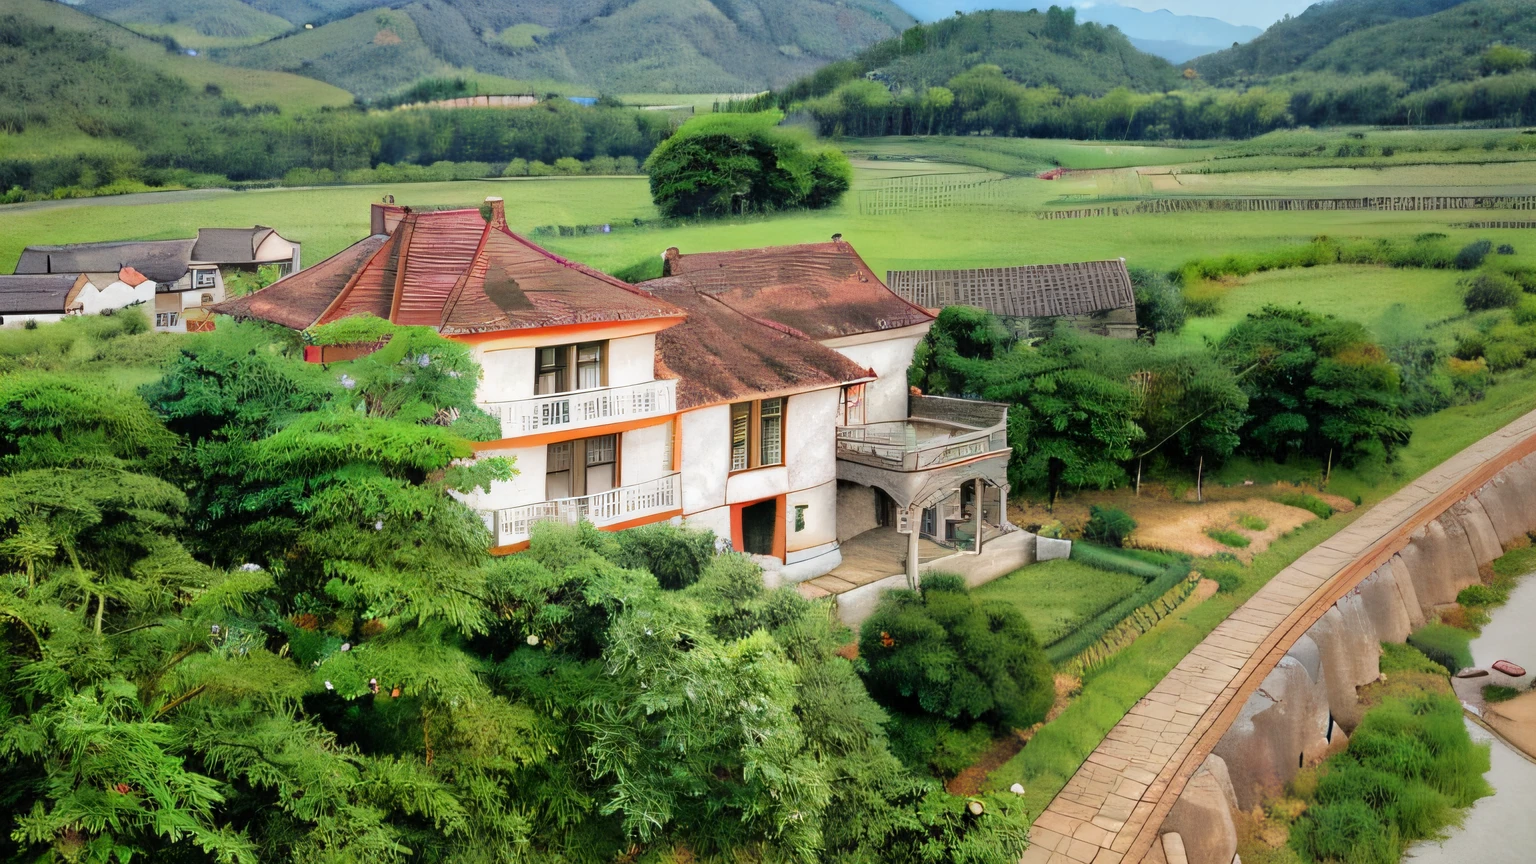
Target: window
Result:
[[771, 422], [203, 278], [757, 434], [555, 365], [851, 411], [165, 319], [589, 366], [586, 466], [558, 475], [207, 298], [666, 448], [602, 464], [551, 371], [741, 424]]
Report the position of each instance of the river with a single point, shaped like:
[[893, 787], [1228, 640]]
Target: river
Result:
[[1499, 829]]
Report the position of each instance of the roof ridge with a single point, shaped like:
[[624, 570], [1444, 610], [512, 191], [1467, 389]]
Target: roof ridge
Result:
[[457, 293], [579, 267], [346, 290]]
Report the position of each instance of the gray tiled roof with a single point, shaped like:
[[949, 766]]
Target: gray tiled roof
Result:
[[1039, 291], [229, 245], [160, 260], [35, 293]]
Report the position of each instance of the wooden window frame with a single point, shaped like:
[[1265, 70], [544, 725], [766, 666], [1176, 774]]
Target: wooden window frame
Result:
[[579, 465], [570, 367], [754, 437]]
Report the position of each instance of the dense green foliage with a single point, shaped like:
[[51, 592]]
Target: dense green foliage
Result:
[[1409, 767], [722, 164], [1160, 306], [941, 651], [64, 85], [1108, 525], [244, 618], [1316, 385], [1141, 563]]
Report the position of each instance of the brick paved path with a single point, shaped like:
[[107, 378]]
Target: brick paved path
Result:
[[1110, 810]]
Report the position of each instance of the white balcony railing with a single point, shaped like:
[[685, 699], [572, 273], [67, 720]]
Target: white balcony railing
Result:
[[583, 408], [515, 524], [917, 445]]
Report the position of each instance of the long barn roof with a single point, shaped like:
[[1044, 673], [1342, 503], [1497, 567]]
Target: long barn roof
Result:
[[1037, 291]]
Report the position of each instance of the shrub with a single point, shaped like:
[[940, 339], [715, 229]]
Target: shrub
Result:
[[1227, 576], [1227, 537], [1251, 522], [940, 651], [1319, 508], [676, 555], [929, 745], [1079, 640], [1108, 525], [1491, 291], [568, 166], [1506, 249], [1525, 310], [1160, 305], [1499, 693], [1470, 378], [1481, 595], [1472, 255], [516, 168], [539, 169], [1448, 646], [1117, 560]]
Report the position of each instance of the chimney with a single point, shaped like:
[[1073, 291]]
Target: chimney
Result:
[[498, 212], [669, 258], [837, 238]]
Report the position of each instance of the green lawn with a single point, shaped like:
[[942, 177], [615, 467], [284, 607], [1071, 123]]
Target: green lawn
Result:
[[1057, 596]]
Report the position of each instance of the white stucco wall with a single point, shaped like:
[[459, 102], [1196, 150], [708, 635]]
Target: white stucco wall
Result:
[[706, 459], [885, 398], [526, 488], [717, 520], [115, 295], [820, 517], [506, 374], [15, 320], [276, 249], [632, 360], [810, 438], [642, 454]]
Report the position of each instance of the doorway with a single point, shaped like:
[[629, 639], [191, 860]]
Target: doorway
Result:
[[759, 525]]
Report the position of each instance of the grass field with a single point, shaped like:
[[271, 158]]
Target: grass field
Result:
[[1057, 596]]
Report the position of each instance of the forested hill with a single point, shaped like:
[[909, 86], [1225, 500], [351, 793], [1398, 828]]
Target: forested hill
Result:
[[373, 47], [1422, 42], [1036, 49]]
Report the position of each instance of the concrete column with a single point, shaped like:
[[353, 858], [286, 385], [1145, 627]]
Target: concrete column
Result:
[[981, 487], [915, 523]]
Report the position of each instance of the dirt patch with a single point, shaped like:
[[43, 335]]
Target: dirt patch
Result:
[[1184, 528], [1005, 747], [1516, 721], [387, 37], [1173, 519]]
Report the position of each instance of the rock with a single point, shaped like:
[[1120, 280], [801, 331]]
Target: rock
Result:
[[1485, 540], [1383, 604], [1283, 725], [1017, 788], [1408, 590], [1508, 668], [1173, 849], [1047, 549], [1472, 673], [1460, 551], [1351, 656], [1202, 819]]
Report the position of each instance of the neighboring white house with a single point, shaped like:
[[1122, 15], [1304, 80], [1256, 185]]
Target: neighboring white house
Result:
[[37, 298], [761, 394], [177, 280]]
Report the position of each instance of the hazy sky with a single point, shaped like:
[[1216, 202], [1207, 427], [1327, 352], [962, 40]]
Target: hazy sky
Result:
[[1259, 13]]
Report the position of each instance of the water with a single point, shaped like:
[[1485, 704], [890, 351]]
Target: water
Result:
[[1499, 829]]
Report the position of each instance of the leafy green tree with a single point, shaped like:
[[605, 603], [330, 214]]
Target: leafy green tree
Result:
[[1315, 385], [720, 164], [1159, 302], [940, 651]]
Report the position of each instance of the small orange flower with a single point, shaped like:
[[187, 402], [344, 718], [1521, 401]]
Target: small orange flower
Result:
[[886, 640]]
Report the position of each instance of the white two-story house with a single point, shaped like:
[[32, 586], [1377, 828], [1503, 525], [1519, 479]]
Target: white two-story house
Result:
[[759, 394]]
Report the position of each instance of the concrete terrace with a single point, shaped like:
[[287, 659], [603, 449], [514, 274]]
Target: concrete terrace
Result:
[[1111, 809]]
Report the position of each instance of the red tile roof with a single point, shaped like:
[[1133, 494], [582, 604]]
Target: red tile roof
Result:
[[721, 355], [452, 271], [131, 277], [824, 290]]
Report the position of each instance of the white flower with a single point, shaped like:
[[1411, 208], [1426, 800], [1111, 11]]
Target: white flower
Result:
[[250, 568], [347, 381], [215, 629], [424, 361], [533, 639], [379, 525], [346, 646], [1017, 788], [328, 686]]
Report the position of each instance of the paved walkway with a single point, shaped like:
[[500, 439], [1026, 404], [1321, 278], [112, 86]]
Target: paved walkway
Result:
[[1112, 807]]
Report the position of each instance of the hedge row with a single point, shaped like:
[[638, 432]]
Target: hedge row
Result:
[[1079, 640]]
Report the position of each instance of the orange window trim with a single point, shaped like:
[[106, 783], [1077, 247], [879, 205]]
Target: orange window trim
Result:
[[563, 435]]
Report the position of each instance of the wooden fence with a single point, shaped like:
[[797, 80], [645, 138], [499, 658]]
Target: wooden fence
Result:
[[1406, 203], [1495, 225], [929, 192]]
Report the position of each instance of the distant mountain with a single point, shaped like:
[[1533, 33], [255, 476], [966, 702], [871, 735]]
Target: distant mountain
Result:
[[376, 47], [1292, 44], [1176, 38], [1028, 47]]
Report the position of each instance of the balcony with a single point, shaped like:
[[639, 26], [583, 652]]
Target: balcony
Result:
[[580, 409], [919, 444], [603, 509]]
